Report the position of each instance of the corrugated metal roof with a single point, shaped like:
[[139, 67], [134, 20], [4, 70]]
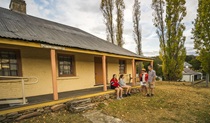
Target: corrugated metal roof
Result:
[[186, 64], [28, 28], [190, 72]]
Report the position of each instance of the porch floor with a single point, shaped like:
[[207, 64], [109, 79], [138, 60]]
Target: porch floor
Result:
[[49, 97]]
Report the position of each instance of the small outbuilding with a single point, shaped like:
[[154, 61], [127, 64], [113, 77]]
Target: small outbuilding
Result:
[[189, 75]]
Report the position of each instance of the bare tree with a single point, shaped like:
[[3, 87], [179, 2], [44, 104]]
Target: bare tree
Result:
[[107, 7], [136, 26], [120, 6]]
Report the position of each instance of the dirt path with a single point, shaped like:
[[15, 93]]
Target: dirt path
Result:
[[96, 116]]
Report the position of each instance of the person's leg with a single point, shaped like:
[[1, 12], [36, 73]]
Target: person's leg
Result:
[[148, 89], [117, 92], [143, 89], [126, 91], [121, 92], [152, 90], [129, 90]]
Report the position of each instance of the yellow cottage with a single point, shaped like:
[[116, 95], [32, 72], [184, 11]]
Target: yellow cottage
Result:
[[50, 58]]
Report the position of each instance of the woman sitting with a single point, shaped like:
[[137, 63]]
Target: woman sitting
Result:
[[124, 86], [114, 85]]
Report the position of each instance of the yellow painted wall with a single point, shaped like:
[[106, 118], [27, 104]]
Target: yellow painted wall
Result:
[[85, 77], [36, 62], [113, 68]]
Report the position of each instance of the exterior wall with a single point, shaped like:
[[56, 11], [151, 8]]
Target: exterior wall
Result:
[[85, 77], [35, 62], [187, 78], [113, 68]]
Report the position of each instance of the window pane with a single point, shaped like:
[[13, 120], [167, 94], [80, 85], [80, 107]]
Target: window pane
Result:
[[13, 61], [5, 61], [122, 66], [6, 72], [13, 67], [8, 63], [14, 73], [61, 62], [65, 65], [5, 66]]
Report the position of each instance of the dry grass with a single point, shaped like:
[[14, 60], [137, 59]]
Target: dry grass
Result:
[[173, 102], [58, 117]]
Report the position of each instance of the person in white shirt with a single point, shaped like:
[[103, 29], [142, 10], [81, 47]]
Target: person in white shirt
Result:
[[144, 78], [151, 80], [124, 86]]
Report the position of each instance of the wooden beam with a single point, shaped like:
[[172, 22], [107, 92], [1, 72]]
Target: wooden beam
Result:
[[104, 72], [54, 75], [133, 72]]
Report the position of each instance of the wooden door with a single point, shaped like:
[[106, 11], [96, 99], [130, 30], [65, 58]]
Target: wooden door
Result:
[[98, 71]]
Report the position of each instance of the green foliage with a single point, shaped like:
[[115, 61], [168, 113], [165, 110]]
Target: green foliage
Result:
[[201, 34], [136, 26], [107, 7], [189, 58], [170, 31], [196, 64], [158, 66], [120, 6]]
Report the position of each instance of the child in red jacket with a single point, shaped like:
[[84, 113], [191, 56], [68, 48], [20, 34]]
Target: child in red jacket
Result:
[[114, 85], [144, 78]]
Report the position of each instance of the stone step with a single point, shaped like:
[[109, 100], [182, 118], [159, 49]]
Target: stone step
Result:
[[76, 103], [81, 108]]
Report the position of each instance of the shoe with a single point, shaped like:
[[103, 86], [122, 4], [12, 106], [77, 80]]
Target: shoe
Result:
[[129, 94], [148, 95], [118, 98], [152, 95], [125, 95], [121, 97]]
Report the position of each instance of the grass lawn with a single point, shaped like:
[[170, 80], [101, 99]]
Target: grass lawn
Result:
[[58, 117], [173, 102]]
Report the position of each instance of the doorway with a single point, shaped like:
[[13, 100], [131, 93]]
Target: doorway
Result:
[[98, 71]]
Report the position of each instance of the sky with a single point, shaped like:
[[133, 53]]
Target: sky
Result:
[[86, 15]]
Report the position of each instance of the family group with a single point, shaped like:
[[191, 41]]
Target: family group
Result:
[[147, 82]]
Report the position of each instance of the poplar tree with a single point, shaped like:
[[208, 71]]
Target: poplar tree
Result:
[[201, 34], [107, 7], [136, 26], [120, 6], [170, 32]]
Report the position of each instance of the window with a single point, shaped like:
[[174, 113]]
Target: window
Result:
[[10, 63], [66, 65], [122, 66]]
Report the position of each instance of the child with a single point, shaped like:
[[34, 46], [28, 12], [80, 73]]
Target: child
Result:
[[114, 85], [144, 81], [124, 86]]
